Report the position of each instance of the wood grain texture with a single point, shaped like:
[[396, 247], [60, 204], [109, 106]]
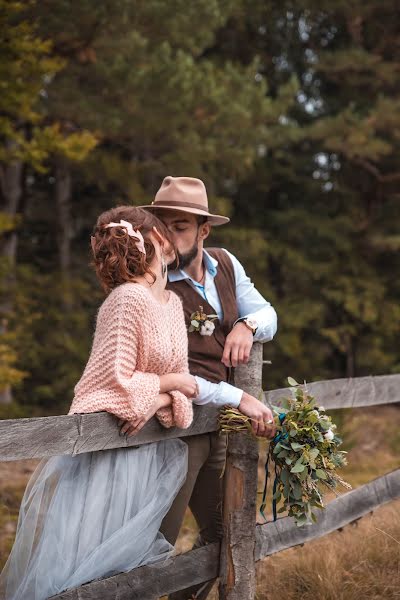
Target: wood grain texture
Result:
[[284, 533], [237, 566], [74, 434], [348, 393], [152, 581]]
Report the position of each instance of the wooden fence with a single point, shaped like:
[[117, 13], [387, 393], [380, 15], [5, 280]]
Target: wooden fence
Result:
[[233, 560]]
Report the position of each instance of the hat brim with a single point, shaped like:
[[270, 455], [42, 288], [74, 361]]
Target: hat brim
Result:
[[212, 219]]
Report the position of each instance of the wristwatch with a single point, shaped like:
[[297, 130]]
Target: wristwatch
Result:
[[250, 324]]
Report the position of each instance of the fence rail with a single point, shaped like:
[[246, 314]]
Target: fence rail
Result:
[[243, 542], [74, 434]]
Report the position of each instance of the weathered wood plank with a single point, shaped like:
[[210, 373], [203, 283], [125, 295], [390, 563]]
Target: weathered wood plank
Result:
[[349, 393], [283, 534], [74, 434], [152, 581], [237, 566]]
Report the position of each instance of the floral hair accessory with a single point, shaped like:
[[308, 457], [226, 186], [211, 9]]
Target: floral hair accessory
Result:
[[201, 322], [135, 233]]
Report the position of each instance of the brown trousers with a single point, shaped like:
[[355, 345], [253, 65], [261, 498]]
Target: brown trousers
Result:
[[203, 493]]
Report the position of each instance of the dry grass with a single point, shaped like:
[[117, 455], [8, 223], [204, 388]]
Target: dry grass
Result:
[[361, 562]]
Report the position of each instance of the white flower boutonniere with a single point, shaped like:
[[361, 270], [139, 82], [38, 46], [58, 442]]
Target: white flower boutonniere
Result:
[[201, 322]]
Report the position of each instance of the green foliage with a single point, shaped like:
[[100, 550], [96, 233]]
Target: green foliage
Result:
[[26, 70], [305, 453], [324, 195]]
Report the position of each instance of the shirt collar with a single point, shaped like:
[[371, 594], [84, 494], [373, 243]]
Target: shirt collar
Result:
[[210, 263]]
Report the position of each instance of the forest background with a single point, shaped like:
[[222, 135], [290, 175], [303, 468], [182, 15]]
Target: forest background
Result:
[[289, 112]]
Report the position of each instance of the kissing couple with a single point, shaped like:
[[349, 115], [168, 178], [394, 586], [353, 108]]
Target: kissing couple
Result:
[[100, 513]]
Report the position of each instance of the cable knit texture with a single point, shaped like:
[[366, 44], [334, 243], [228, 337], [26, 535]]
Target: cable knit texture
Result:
[[137, 339]]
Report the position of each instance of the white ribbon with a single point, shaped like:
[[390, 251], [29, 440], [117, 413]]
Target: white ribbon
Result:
[[135, 233]]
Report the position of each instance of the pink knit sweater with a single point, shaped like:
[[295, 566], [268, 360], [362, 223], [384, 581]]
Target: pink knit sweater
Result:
[[136, 339]]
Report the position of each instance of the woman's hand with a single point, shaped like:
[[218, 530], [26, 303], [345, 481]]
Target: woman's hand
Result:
[[132, 427], [181, 382], [187, 385]]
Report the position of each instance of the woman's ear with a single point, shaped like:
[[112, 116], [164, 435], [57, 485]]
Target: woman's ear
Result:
[[158, 236]]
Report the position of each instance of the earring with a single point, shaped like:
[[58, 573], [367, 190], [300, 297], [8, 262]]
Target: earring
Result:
[[163, 265]]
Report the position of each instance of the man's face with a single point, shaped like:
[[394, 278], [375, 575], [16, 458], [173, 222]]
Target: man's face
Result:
[[186, 234]]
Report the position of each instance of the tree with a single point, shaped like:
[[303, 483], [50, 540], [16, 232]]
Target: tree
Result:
[[323, 197], [25, 68]]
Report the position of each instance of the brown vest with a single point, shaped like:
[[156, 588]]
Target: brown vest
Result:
[[205, 352]]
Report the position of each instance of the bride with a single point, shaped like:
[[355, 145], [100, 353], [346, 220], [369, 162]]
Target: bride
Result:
[[97, 514]]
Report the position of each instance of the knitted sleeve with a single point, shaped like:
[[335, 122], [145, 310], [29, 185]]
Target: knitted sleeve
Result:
[[180, 412], [111, 381]]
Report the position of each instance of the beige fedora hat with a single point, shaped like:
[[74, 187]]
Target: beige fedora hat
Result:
[[186, 194]]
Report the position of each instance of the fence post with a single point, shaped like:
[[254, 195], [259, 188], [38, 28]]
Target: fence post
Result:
[[237, 564]]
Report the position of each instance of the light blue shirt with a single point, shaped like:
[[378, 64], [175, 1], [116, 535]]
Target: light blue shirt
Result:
[[250, 303]]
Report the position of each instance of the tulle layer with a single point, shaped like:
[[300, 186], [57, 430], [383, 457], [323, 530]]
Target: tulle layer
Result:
[[91, 516]]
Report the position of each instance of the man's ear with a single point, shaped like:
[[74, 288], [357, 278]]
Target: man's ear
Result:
[[204, 230]]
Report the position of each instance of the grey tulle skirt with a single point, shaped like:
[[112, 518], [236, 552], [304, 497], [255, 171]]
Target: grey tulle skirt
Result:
[[91, 516]]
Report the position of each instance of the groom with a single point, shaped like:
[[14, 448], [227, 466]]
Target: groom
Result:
[[215, 280]]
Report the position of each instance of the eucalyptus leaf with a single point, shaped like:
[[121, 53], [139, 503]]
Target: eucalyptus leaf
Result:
[[298, 468], [277, 448], [292, 382], [296, 446], [285, 476], [297, 491], [320, 474]]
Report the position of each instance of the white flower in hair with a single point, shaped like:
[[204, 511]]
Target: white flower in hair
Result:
[[207, 328]]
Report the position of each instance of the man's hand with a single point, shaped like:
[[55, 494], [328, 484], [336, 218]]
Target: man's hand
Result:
[[238, 345], [260, 415]]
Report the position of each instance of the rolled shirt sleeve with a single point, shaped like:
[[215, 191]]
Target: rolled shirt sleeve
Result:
[[253, 305], [219, 394]]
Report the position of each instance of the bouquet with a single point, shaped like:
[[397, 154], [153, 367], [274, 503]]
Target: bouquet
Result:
[[304, 451]]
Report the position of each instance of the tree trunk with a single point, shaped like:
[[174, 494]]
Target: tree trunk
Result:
[[63, 191], [11, 194]]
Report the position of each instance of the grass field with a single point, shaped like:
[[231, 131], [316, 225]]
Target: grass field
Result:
[[360, 562]]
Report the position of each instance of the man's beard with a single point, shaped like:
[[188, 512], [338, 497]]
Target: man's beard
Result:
[[184, 260]]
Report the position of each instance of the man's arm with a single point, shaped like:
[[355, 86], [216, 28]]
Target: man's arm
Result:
[[224, 394], [219, 394], [251, 304]]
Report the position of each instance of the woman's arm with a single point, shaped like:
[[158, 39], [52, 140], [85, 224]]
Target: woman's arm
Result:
[[112, 381], [181, 382]]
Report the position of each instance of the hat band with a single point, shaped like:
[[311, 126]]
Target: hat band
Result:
[[183, 204]]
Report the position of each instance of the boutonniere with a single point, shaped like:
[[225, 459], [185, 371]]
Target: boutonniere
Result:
[[201, 322]]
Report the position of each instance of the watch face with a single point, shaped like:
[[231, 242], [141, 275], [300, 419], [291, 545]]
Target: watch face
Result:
[[252, 323]]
